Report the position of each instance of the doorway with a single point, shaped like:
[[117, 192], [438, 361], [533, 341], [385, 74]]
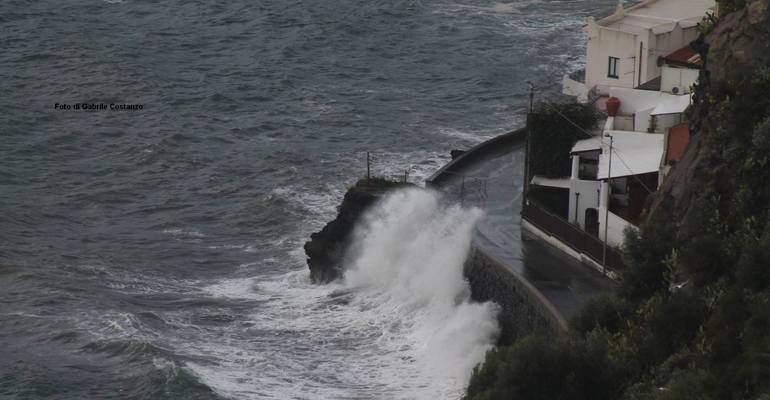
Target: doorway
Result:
[[592, 221]]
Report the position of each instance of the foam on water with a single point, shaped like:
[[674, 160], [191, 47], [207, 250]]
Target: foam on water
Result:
[[471, 138], [172, 238], [407, 264], [399, 325]]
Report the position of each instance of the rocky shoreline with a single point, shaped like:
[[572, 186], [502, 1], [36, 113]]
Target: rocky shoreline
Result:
[[326, 249]]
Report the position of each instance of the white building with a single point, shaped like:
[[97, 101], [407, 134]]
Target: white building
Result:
[[611, 186], [641, 57], [627, 48]]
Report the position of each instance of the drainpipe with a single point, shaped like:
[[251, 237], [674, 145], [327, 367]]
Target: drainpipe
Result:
[[577, 201]]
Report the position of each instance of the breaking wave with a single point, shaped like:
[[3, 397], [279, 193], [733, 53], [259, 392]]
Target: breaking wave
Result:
[[407, 268]]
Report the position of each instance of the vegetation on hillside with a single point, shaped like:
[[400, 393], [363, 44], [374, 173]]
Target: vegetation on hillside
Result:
[[691, 319]]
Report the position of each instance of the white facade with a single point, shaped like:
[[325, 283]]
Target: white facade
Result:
[[640, 105], [678, 80], [641, 56], [584, 195], [624, 48]]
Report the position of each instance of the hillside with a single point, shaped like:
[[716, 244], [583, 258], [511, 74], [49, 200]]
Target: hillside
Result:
[[691, 319]]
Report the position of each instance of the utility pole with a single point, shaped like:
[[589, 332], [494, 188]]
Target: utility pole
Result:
[[527, 148], [368, 176], [607, 208]]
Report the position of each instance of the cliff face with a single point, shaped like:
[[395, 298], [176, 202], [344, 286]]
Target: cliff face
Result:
[[326, 249], [723, 168]]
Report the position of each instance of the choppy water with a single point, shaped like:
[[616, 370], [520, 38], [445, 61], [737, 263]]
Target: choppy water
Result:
[[156, 253]]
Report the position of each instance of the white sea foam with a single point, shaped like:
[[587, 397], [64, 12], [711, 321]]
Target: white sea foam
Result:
[[468, 136], [503, 7], [184, 233], [407, 266], [320, 204], [399, 326], [419, 164]]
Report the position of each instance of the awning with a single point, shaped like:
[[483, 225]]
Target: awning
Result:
[[672, 106], [664, 28], [594, 143], [563, 183], [633, 153]]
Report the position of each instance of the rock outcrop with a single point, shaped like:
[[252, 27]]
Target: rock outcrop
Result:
[[734, 51], [326, 249]]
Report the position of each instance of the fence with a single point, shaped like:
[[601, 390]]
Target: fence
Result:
[[464, 189], [571, 235], [371, 159]]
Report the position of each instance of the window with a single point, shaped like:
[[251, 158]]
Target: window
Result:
[[612, 71]]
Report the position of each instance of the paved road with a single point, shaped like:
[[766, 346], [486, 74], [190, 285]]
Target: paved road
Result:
[[495, 183]]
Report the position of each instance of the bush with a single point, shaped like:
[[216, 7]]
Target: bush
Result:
[[553, 135], [604, 312], [704, 260], [753, 270], [646, 252], [538, 368], [728, 6]]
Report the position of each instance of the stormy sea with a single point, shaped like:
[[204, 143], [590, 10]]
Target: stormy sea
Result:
[[162, 162]]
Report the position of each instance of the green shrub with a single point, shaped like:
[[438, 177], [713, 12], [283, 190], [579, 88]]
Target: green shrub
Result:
[[753, 269], [536, 367], [555, 127], [646, 252], [728, 6], [605, 312], [704, 259]]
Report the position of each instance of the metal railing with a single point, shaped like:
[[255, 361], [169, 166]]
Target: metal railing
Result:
[[465, 189], [571, 235], [371, 159]]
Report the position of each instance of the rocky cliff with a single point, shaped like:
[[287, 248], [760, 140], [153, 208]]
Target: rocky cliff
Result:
[[326, 249], [720, 188], [737, 55]]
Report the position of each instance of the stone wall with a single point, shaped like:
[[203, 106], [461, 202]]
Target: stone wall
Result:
[[523, 309]]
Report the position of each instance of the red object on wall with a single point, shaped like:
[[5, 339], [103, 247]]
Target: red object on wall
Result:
[[678, 139], [613, 106]]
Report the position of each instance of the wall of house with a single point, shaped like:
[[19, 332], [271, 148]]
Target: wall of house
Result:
[[632, 100], [603, 43], [683, 78], [666, 43], [640, 104], [623, 123], [589, 198], [616, 228], [667, 121], [642, 120]]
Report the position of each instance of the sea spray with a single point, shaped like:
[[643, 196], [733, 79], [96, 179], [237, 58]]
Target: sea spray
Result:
[[406, 266]]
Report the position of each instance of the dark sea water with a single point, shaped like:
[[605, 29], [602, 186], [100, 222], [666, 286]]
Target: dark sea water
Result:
[[156, 253]]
